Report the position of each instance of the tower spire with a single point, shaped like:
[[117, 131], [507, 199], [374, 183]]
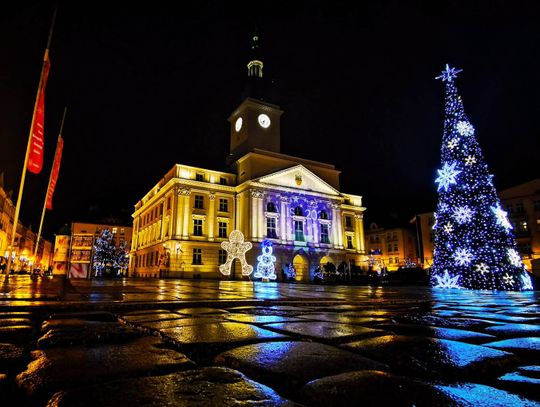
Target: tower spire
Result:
[[255, 65]]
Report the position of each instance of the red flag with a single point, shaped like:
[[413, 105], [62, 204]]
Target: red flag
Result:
[[55, 170], [35, 157]]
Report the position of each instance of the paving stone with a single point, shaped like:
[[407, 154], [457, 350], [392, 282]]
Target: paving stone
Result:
[[12, 357], [432, 320], [472, 394], [16, 314], [64, 368], [522, 381], [499, 317], [371, 388], [328, 331], [434, 358], [201, 310], [286, 366], [513, 330], [147, 311], [165, 316], [523, 346], [342, 318], [88, 315], [211, 386], [16, 333], [15, 321], [88, 334], [437, 332], [173, 323], [73, 324], [260, 319]]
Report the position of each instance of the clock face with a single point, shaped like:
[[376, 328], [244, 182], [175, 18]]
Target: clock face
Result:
[[264, 121], [238, 124]]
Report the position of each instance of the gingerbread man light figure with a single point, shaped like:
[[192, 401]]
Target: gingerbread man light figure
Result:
[[236, 248]]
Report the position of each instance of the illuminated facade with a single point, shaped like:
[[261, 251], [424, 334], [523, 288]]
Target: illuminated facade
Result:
[[391, 248], [178, 226]]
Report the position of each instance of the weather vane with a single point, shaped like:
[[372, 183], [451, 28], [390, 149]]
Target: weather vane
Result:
[[449, 74]]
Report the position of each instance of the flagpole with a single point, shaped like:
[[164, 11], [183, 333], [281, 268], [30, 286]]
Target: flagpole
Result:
[[28, 146], [49, 186]]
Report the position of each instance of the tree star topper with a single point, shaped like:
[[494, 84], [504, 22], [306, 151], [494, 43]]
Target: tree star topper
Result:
[[449, 74], [236, 248]]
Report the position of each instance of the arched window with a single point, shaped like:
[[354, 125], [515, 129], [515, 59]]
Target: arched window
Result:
[[298, 211], [270, 207], [323, 215]]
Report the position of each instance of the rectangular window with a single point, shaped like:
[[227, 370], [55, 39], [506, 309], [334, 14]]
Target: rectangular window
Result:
[[396, 247], [299, 230], [519, 207], [389, 248], [223, 205], [222, 229], [510, 208], [348, 222], [197, 256], [390, 261], [222, 256], [222, 181], [271, 228], [199, 177], [199, 202], [397, 260], [324, 234], [536, 205], [349, 242], [197, 227]]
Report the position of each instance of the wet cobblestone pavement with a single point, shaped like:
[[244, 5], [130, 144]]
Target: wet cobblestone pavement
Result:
[[211, 343]]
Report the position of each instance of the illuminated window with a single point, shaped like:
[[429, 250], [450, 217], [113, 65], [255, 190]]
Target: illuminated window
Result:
[[270, 207], [298, 230], [197, 227], [348, 222], [323, 215], [222, 229], [390, 261], [199, 202], [114, 230], [324, 234], [271, 228], [223, 205], [197, 256], [222, 256], [199, 177], [349, 242]]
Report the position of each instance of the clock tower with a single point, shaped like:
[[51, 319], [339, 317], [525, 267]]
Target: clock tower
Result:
[[255, 123]]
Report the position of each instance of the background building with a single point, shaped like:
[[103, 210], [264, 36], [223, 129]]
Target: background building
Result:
[[296, 203], [391, 248]]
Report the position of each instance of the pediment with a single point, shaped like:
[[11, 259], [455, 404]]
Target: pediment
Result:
[[299, 177]]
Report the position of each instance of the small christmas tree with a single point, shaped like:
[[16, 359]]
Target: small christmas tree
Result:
[[474, 245]]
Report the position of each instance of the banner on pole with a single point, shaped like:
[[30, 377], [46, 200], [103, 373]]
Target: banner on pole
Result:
[[55, 171], [35, 156]]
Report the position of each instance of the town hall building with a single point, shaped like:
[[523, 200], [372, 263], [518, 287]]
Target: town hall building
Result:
[[295, 203]]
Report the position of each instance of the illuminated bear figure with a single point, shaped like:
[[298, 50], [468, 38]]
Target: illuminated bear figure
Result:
[[236, 248], [265, 265]]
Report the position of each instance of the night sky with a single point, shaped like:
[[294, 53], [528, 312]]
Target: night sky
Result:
[[148, 87]]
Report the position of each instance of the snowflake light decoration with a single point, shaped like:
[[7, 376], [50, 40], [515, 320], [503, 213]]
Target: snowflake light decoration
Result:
[[449, 74], [463, 257], [514, 257], [462, 214], [447, 176], [465, 128], [502, 219], [453, 143], [445, 281], [448, 228], [443, 207], [508, 279], [482, 268], [527, 283], [236, 248], [470, 160]]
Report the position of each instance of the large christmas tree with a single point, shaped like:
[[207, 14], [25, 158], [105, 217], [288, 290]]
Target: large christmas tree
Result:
[[109, 258], [474, 244]]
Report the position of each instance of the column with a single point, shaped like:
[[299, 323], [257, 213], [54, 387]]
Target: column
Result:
[[254, 218], [163, 214], [260, 215], [186, 193], [175, 226], [313, 222], [339, 226], [283, 219], [335, 222], [211, 216], [359, 232], [287, 220]]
